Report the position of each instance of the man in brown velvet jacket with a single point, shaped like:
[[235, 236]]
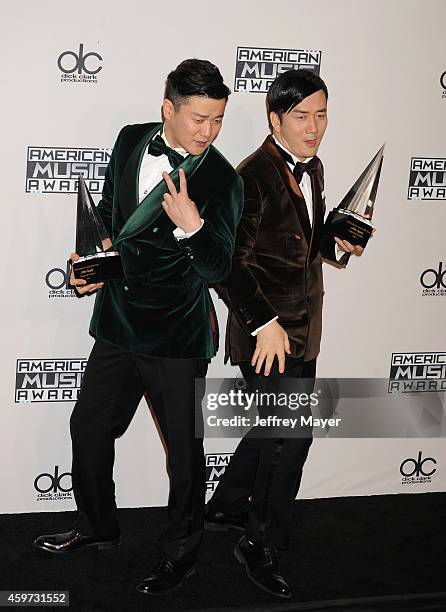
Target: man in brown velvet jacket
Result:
[[274, 294]]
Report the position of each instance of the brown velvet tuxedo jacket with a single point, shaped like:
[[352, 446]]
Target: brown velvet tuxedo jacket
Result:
[[276, 267]]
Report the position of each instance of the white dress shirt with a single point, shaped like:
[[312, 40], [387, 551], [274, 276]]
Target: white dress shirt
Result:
[[305, 182], [151, 173]]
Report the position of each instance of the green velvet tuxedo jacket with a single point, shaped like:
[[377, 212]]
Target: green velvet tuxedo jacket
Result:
[[162, 307]]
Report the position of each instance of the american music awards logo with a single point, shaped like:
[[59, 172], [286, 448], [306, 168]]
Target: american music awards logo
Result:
[[417, 372], [55, 169], [256, 67], [427, 178], [215, 468], [48, 380], [79, 66]]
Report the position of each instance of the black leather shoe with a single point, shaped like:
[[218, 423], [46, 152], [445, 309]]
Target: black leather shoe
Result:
[[262, 567], [166, 576], [218, 521], [72, 541]]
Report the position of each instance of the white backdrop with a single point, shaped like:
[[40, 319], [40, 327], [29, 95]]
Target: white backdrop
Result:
[[384, 63]]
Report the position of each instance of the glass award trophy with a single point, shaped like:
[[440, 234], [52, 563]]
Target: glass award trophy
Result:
[[95, 263], [351, 220]]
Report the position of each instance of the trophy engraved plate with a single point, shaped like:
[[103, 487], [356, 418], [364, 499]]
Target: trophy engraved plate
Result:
[[95, 264], [351, 220]]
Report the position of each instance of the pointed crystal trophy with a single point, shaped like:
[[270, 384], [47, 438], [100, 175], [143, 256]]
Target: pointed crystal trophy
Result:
[[95, 264], [351, 220]]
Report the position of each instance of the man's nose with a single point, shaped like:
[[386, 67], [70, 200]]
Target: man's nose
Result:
[[205, 130], [311, 127]]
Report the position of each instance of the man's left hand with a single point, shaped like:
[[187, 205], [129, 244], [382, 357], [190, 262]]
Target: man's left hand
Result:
[[345, 246], [180, 209]]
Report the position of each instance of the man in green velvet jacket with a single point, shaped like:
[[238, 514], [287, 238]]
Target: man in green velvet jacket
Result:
[[171, 204]]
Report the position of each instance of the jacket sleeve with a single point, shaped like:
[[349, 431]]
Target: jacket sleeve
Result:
[[242, 288], [210, 250], [105, 205]]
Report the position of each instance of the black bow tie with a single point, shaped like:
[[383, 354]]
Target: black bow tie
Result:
[[300, 167], [309, 167], [158, 147]]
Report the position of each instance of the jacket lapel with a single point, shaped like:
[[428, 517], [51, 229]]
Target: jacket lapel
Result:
[[150, 208], [290, 183], [128, 185], [318, 214]]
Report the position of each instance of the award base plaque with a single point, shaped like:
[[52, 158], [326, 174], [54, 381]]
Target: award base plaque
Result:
[[349, 226], [351, 220], [96, 263], [98, 268]]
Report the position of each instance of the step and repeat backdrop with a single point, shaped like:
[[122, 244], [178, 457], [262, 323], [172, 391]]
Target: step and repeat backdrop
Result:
[[73, 75]]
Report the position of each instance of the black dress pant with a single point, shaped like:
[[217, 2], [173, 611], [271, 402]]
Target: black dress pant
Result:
[[114, 382], [264, 474]]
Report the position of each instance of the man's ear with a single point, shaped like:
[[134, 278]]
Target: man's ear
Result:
[[168, 109], [275, 121]]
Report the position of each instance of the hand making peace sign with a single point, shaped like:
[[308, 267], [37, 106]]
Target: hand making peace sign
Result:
[[178, 206]]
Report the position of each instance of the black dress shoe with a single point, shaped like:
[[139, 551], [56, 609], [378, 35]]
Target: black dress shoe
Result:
[[218, 521], [72, 541], [262, 567], [166, 576]]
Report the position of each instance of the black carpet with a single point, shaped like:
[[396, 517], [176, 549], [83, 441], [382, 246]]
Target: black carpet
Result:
[[357, 553]]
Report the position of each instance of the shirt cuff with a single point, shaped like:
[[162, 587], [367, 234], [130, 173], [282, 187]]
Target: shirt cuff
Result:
[[181, 234], [256, 331], [339, 253]]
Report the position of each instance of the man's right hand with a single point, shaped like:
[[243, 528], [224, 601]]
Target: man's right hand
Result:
[[80, 284], [272, 340]]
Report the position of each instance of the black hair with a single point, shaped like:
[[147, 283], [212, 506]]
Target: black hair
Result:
[[290, 88], [195, 77]]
